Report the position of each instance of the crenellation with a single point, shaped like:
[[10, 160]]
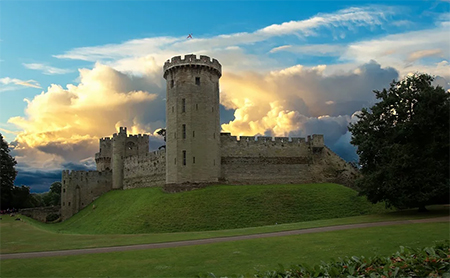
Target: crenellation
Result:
[[191, 60]]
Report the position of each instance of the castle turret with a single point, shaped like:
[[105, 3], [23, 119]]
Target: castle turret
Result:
[[103, 157], [193, 121], [118, 154]]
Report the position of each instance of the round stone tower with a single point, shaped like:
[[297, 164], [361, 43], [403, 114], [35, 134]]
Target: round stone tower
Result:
[[118, 153], [192, 118]]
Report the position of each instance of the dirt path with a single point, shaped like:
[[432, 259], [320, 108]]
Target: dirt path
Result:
[[212, 240]]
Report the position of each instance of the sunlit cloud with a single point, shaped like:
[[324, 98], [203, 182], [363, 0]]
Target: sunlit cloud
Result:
[[12, 84], [64, 124], [46, 69]]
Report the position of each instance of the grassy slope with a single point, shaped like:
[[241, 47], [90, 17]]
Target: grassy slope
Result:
[[225, 259], [149, 210], [20, 236]]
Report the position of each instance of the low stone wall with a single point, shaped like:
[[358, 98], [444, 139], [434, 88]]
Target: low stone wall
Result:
[[40, 213]]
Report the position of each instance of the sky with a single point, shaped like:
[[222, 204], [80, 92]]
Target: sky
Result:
[[72, 72]]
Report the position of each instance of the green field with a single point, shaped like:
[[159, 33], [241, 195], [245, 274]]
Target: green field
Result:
[[239, 257], [150, 210], [149, 215]]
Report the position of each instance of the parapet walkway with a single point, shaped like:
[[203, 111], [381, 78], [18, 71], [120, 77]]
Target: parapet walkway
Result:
[[213, 240]]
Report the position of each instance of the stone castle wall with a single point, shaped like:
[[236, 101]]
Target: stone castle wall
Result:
[[267, 160], [80, 188], [145, 170]]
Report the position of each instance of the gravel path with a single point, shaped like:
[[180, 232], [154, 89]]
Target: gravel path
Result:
[[212, 240]]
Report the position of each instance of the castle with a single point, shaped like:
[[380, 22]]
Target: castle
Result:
[[196, 151]]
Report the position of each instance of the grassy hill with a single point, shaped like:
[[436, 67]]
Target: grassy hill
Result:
[[149, 210]]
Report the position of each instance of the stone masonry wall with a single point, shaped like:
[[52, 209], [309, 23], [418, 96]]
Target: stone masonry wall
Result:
[[145, 170], [40, 213], [267, 160], [80, 188]]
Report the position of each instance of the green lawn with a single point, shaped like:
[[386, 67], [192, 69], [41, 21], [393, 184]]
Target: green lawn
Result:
[[20, 236], [150, 210], [239, 257]]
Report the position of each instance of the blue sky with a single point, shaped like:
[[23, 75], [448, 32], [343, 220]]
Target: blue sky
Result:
[[73, 71]]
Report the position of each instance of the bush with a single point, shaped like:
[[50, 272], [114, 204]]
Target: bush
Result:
[[51, 217], [408, 262]]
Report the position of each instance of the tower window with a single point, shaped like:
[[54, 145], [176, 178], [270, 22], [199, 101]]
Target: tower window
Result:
[[64, 190], [214, 135], [193, 160], [68, 204], [196, 106], [175, 161], [184, 157], [212, 109], [184, 131], [173, 109], [64, 203], [193, 133], [172, 82], [183, 105], [197, 81]]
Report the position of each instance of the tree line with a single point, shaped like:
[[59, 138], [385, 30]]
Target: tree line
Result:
[[19, 196]]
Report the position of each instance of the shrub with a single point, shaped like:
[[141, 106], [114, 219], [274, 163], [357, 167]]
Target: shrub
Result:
[[408, 262]]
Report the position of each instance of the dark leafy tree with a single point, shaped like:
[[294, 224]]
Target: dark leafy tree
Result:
[[8, 174], [162, 132], [54, 195], [403, 144], [21, 197]]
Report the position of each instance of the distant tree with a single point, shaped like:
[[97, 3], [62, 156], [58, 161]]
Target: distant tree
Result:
[[21, 197], [55, 193], [403, 144], [8, 174]]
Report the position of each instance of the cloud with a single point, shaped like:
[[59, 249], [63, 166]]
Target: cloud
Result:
[[160, 48], [425, 53], [64, 124], [46, 69], [299, 101], [12, 84]]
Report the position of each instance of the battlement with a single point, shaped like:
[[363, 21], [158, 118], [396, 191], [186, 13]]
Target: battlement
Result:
[[192, 61], [315, 138], [106, 139], [139, 136]]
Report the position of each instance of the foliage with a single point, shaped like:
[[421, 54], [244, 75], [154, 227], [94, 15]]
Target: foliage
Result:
[[7, 174], [53, 197], [403, 144], [21, 198], [408, 262]]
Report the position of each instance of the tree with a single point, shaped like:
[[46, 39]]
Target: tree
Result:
[[7, 174], [55, 193], [403, 144]]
